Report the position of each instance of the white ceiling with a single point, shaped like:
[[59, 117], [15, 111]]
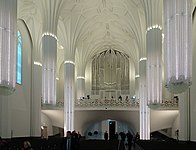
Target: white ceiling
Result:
[[88, 26], [91, 26]]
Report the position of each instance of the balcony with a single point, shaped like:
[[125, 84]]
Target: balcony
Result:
[[112, 104], [104, 104]]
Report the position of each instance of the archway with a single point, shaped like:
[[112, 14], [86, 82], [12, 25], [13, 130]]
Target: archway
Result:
[[96, 130]]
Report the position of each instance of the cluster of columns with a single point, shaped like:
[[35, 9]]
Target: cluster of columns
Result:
[[150, 67], [69, 95], [150, 82], [49, 47], [8, 47], [49, 58]]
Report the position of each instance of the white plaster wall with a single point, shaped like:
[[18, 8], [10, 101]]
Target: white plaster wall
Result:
[[162, 119], [5, 116], [104, 127], [56, 117], [22, 97], [18, 110], [193, 88], [35, 110], [175, 126], [56, 130], [46, 121]]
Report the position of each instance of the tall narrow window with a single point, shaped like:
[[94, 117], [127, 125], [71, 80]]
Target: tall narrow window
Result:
[[19, 60]]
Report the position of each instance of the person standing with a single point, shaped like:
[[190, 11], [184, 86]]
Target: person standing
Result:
[[116, 136], [177, 135], [129, 139], [27, 146], [123, 136], [136, 138], [69, 142], [106, 135]]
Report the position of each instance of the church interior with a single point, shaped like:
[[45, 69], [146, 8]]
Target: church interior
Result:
[[96, 66]]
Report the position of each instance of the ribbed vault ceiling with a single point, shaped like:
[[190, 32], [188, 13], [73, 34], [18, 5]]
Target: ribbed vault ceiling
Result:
[[91, 26]]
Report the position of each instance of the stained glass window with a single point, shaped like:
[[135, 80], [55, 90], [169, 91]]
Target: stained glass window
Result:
[[19, 60]]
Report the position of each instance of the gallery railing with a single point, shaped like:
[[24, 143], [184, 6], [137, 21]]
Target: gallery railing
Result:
[[167, 104], [107, 103]]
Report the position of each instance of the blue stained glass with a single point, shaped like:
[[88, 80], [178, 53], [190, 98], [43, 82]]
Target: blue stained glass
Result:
[[19, 60]]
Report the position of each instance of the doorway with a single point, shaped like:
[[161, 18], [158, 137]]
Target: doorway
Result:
[[112, 129]]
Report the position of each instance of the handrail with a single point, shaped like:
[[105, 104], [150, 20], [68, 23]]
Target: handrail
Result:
[[167, 104]]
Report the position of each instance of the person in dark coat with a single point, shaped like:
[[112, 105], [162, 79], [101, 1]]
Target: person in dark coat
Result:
[[136, 138], [129, 139], [116, 136], [123, 136], [69, 142], [106, 135]]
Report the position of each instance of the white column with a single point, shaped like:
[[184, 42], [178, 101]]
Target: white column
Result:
[[49, 56], [137, 87], [132, 78], [8, 46], [80, 69], [137, 81], [80, 86], [193, 89], [144, 110], [35, 110], [184, 116], [8, 43], [178, 44], [69, 96], [50, 11], [154, 66]]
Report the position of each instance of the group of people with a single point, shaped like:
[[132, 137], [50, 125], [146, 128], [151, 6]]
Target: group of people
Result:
[[4, 145], [71, 141], [27, 146], [130, 138]]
